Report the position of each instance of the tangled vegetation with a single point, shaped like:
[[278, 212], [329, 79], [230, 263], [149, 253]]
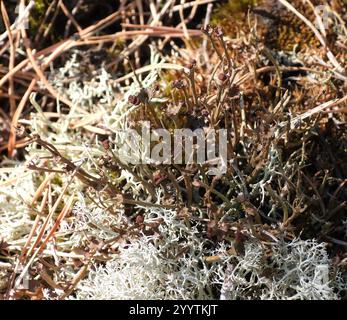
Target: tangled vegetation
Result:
[[77, 222]]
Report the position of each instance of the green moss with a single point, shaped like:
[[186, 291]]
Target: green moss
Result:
[[233, 8], [37, 14], [57, 180], [232, 15]]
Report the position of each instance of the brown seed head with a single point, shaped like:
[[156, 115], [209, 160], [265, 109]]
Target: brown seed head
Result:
[[179, 84], [208, 30], [134, 100]]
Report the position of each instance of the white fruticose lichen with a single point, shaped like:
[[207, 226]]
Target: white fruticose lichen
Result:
[[91, 94], [166, 265], [107, 107], [15, 220], [88, 220], [295, 270]]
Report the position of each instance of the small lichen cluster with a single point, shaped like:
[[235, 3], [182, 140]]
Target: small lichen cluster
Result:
[[167, 264], [15, 215], [170, 264], [295, 270]]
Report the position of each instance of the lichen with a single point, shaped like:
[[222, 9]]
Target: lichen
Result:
[[298, 270]]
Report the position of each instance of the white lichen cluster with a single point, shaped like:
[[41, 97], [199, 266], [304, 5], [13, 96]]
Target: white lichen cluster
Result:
[[15, 219], [166, 265], [100, 104], [91, 92], [295, 270], [170, 264], [88, 221]]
